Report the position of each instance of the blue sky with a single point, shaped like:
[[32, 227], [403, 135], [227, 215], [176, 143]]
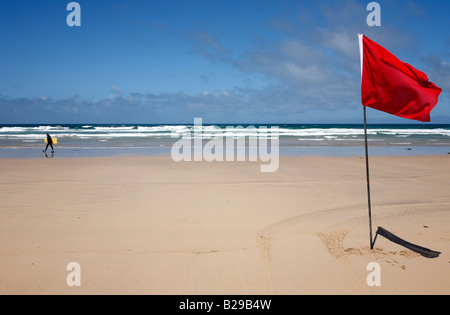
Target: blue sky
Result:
[[226, 61]]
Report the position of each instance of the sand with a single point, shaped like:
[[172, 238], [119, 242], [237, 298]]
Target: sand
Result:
[[148, 225]]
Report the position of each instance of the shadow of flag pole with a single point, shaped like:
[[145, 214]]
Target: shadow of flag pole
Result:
[[425, 252], [397, 88]]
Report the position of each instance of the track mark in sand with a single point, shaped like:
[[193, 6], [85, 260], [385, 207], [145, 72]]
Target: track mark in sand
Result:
[[200, 252], [205, 252], [126, 252], [265, 247]]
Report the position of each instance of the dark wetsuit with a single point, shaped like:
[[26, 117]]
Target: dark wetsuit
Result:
[[49, 143]]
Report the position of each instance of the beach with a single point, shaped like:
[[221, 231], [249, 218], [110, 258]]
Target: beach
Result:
[[149, 225]]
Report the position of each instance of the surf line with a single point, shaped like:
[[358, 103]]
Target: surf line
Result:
[[232, 143]]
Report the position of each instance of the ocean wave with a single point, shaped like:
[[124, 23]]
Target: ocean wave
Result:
[[33, 129], [301, 132]]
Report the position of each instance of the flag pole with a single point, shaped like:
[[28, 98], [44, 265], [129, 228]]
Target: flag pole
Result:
[[369, 203]]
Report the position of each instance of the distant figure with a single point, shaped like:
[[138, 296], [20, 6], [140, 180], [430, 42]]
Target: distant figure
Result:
[[49, 143]]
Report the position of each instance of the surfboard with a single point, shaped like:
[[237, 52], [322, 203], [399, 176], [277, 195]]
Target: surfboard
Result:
[[55, 141]]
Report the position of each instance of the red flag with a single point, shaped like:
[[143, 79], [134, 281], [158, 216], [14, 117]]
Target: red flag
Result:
[[392, 86]]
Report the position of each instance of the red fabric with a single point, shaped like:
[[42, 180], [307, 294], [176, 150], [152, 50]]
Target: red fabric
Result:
[[395, 87]]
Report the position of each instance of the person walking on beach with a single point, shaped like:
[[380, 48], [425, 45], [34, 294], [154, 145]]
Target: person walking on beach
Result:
[[49, 143]]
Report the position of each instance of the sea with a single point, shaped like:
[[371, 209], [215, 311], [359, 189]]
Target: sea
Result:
[[99, 140]]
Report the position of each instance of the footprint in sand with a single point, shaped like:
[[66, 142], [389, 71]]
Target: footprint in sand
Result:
[[334, 242]]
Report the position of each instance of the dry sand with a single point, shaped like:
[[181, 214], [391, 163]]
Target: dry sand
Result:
[[153, 226]]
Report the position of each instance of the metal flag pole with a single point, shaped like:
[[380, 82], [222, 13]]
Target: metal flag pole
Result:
[[361, 51], [368, 178]]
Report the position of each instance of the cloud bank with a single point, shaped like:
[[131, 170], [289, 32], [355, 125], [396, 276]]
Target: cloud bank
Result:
[[310, 64]]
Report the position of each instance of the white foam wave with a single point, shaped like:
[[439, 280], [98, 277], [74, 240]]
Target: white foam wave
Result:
[[89, 131], [33, 129]]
